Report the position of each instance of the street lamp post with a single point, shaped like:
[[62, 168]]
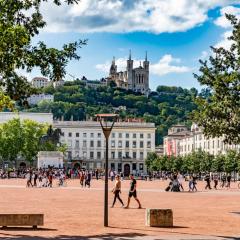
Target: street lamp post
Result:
[[107, 122]]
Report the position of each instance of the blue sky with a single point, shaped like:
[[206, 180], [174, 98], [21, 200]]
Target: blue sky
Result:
[[176, 33]]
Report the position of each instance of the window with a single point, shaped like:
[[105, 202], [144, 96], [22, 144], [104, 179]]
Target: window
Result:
[[92, 135], [99, 134], [113, 135], [119, 144], [127, 155], [69, 143], [141, 155], [77, 144], [99, 143], [149, 135], [99, 155], [84, 134], [63, 134], [213, 143], [91, 143], [84, 154], [134, 155], [77, 134], [77, 153], [112, 155], [141, 135], [120, 135], [148, 144], [69, 134], [134, 144], [134, 135], [84, 143], [69, 154], [134, 166], [91, 155], [127, 144], [141, 166], [112, 143], [141, 144], [119, 154], [127, 135]]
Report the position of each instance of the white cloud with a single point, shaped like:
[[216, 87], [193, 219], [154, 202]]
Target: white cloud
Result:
[[167, 64], [155, 16], [224, 23], [224, 42], [222, 20]]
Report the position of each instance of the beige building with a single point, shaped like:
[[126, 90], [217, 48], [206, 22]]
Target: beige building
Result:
[[181, 141], [129, 144], [40, 82]]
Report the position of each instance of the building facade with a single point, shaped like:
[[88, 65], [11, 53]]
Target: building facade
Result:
[[40, 82], [180, 141], [135, 79], [45, 118], [129, 144], [36, 98]]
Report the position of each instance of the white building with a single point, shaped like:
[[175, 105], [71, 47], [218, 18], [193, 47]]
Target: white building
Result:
[[50, 158], [183, 142], [129, 144], [40, 82], [58, 83], [38, 117], [36, 98]]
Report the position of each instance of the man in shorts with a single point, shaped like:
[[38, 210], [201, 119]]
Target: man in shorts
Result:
[[133, 191]]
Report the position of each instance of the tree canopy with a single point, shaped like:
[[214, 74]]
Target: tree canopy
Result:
[[195, 162], [20, 22], [219, 112]]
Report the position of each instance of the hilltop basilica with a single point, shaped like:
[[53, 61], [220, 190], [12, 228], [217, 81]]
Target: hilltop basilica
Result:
[[136, 79]]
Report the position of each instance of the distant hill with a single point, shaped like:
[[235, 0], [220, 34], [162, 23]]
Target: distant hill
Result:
[[165, 107]]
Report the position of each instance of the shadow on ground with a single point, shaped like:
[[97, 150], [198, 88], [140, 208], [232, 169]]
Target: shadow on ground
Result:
[[108, 236]]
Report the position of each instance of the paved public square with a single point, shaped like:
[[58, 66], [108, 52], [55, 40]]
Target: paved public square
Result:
[[73, 212]]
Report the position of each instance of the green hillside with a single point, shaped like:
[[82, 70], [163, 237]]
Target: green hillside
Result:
[[165, 107]]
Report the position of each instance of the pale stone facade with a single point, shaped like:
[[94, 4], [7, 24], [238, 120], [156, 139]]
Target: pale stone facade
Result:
[[36, 98], [50, 158], [129, 144], [136, 79], [180, 141], [38, 117], [40, 82]]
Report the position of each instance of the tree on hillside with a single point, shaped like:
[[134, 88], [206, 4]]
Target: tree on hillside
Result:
[[219, 112], [20, 22]]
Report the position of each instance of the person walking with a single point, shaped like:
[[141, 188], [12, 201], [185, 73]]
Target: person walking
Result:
[[228, 181], [117, 190], [194, 183], [133, 192], [208, 181], [96, 173], [81, 176], [223, 180], [215, 179]]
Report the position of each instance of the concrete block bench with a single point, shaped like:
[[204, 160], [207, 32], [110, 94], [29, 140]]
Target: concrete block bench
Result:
[[33, 220], [159, 217]]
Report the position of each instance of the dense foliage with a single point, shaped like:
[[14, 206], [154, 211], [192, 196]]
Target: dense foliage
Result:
[[196, 162], [165, 107], [22, 139], [219, 114], [20, 22]]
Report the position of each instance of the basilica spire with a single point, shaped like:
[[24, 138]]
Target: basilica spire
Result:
[[146, 56], [130, 55]]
